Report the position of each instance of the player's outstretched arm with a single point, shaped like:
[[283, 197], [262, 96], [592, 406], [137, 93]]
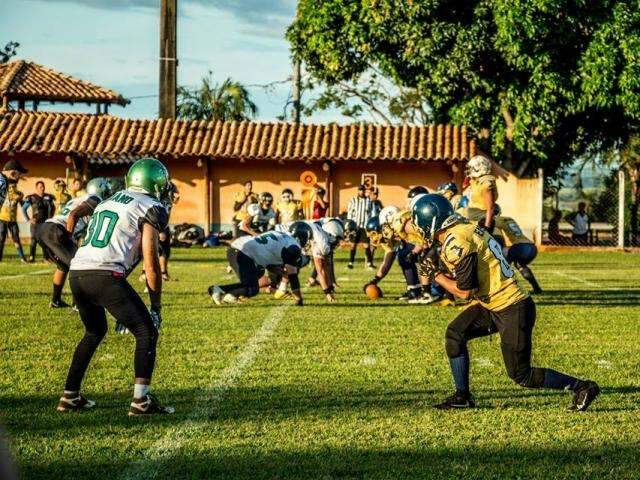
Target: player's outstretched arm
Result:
[[80, 211], [323, 277], [151, 263], [294, 281]]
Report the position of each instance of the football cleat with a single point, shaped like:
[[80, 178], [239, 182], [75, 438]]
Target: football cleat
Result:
[[121, 329], [281, 294], [228, 298], [585, 393], [74, 404], [426, 299], [457, 400], [148, 405], [216, 294], [58, 304], [370, 266], [350, 266], [410, 295]]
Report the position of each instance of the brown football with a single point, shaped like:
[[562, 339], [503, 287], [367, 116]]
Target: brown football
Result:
[[373, 292]]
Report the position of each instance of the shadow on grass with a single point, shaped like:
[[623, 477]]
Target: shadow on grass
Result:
[[601, 298], [348, 462]]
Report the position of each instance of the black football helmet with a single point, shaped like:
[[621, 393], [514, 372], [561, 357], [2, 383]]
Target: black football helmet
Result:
[[416, 191], [350, 230], [430, 213], [302, 232]]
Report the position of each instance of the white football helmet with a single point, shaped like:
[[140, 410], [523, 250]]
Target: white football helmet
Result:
[[387, 212], [478, 166], [334, 228]]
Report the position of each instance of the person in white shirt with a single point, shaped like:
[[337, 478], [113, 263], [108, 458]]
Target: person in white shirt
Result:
[[581, 225]]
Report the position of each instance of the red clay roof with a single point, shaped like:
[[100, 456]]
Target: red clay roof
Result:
[[23, 80], [116, 139]]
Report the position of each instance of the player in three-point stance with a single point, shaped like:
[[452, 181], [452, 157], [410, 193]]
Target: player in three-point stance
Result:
[[475, 267], [276, 252], [58, 235], [121, 230]]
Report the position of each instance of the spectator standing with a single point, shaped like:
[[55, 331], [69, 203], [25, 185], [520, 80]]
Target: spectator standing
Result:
[[376, 204], [320, 204], [42, 206], [581, 225], [359, 211], [9, 219], [555, 237], [61, 195], [77, 188], [11, 173], [241, 202], [288, 209]]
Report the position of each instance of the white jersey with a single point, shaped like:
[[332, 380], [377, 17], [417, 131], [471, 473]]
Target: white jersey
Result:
[[81, 224], [114, 235], [266, 249], [261, 218], [319, 244]]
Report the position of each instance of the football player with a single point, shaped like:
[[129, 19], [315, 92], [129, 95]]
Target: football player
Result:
[[335, 230], [11, 173], [517, 248], [261, 217], [449, 191], [59, 235], [9, 220], [121, 230], [250, 257], [319, 246], [164, 238], [61, 195], [476, 268], [483, 192]]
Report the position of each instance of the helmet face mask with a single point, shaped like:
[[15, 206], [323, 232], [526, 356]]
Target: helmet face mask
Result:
[[302, 232], [266, 200], [374, 230], [334, 230], [99, 187], [386, 213]]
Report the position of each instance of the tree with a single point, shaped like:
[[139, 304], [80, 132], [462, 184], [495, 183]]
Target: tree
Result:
[[228, 100], [541, 81], [9, 50]]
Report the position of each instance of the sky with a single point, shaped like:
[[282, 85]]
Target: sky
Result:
[[114, 43]]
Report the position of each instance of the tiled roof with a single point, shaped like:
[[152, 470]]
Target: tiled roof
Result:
[[23, 80], [113, 139]]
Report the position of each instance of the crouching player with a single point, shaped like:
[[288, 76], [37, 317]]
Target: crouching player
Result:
[[476, 268], [58, 235], [517, 248], [277, 252], [121, 229]]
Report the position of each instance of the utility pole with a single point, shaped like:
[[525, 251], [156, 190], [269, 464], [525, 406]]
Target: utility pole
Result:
[[168, 58], [296, 90]]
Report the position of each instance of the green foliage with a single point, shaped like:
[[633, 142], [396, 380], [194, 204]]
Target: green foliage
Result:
[[549, 79], [9, 50], [228, 100], [334, 391]]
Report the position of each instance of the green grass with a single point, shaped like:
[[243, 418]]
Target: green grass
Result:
[[326, 391]]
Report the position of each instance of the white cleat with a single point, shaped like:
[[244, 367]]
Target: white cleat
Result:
[[216, 294]]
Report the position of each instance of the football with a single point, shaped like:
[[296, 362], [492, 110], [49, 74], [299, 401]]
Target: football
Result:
[[373, 292]]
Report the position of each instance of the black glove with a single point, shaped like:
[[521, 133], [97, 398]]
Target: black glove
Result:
[[373, 281], [428, 268], [483, 224]]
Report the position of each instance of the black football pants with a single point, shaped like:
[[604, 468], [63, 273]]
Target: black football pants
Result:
[[515, 326], [8, 228], [57, 244], [94, 292], [361, 236], [248, 273]]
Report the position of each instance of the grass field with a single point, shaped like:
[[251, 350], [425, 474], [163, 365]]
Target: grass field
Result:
[[269, 390]]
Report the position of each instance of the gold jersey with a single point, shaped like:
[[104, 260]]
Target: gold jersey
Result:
[[509, 229], [239, 197], [9, 209], [478, 188], [495, 287], [62, 198], [289, 211]]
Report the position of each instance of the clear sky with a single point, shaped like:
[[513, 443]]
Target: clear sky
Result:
[[114, 43]]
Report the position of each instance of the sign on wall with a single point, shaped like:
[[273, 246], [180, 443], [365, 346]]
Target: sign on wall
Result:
[[369, 180]]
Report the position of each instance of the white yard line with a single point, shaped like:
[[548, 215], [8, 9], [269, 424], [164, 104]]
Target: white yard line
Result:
[[206, 403], [577, 279], [20, 275]]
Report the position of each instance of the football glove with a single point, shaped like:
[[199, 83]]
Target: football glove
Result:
[[121, 329], [155, 317], [428, 268]]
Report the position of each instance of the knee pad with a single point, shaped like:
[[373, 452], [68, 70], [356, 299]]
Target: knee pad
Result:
[[455, 344]]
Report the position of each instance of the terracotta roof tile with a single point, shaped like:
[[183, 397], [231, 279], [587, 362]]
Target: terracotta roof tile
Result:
[[117, 138], [23, 80]]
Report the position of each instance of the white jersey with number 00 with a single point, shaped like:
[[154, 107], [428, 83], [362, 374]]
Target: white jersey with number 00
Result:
[[265, 249], [114, 234], [71, 205]]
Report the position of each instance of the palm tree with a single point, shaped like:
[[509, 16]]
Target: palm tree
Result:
[[228, 100]]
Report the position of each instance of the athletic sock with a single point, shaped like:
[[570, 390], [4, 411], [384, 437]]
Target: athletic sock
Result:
[[460, 371], [70, 393], [139, 390], [56, 296], [20, 252], [558, 380]]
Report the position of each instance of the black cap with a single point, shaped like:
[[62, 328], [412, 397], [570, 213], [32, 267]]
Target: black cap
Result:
[[362, 187], [14, 165]]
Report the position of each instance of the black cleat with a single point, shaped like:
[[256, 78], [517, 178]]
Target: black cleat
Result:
[[74, 404], [58, 304], [148, 405], [585, 393], [457, 400]]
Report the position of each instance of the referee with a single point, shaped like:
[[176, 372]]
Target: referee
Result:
[[360, 210]]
